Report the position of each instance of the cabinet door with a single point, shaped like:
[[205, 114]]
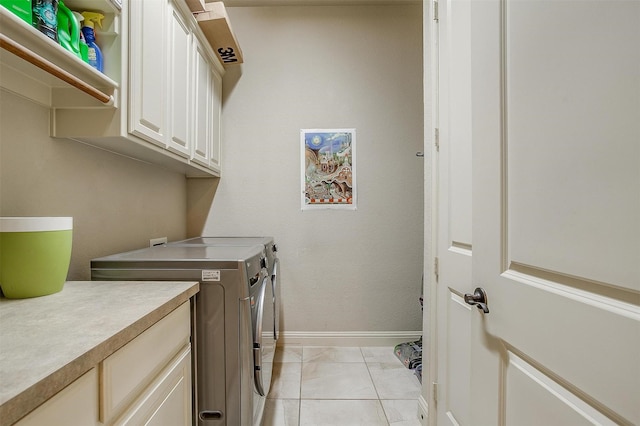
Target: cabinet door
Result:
[[208, 97], [77, 404], [129, 371], [148, 94], [216, 104], [180, 77], [167, 402], [202, 106]]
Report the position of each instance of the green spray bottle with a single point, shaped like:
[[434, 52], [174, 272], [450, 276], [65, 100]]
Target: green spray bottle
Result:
[[68, 30], [82, 44]]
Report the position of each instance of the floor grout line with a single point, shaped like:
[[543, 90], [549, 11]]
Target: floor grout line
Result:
[[329, 357]]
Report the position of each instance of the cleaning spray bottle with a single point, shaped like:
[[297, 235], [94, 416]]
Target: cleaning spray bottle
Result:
[[68, 30], [88, 29], [82, 44]]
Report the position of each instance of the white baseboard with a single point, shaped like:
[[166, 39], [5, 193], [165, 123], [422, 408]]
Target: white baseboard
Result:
[[347, 338], [423, 411]]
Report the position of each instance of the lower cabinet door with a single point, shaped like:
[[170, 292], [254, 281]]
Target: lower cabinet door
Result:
[[167, 401], [129, 372], [77, 404]]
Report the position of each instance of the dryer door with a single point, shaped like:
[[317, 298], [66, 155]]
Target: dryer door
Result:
[[263, 341]]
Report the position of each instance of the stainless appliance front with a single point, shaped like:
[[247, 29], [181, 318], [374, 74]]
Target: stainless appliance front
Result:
[[232, 358], [272, 260]]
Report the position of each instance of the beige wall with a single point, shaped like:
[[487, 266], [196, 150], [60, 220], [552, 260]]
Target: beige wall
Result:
[[306, 67], [117, 203], [327, 67]]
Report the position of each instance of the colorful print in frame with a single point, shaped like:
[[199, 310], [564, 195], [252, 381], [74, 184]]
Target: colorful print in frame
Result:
[[328, 169]]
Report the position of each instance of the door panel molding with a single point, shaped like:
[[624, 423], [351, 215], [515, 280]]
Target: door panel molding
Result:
[[616, 307], [458, 360], [599, 361], [461, 248], [603, 292], [524, 381], [534, 76]]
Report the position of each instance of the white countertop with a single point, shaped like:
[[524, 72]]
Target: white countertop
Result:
[[48, 342]]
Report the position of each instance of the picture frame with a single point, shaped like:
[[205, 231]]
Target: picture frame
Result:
[[328, 172]]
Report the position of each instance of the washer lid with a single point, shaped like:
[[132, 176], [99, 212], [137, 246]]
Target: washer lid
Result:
[[187, 256], [226, 241]]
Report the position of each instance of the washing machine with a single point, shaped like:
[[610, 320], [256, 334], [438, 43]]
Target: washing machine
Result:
[[273, 263], [233, 316]]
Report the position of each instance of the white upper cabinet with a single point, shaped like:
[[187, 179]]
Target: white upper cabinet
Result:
[[208, 90], [162, 81], [180, 75], [216, 106], [148, 80], [202, 81], [160, 73]]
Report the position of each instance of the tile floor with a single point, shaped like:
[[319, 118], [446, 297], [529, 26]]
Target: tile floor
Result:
[[341, 386]]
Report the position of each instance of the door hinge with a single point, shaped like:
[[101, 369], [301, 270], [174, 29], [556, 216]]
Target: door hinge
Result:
[[435, 391], [436, 137], [435, 11], [435, 268]]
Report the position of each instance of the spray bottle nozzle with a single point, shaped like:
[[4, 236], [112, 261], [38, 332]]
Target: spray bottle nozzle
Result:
[[92, 17]]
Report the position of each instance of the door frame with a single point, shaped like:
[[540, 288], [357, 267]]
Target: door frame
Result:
[[427, 400]]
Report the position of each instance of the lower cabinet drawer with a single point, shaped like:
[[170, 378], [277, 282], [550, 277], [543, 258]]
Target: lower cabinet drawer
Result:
[[77, 404], [167, 401], [128, 372]]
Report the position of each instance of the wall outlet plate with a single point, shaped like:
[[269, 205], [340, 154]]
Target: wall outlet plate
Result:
[[157, 241]]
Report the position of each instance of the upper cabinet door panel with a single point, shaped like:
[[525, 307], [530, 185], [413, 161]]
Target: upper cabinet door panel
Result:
[[215, 121], [148, 70], [202, 115], [180, 77]]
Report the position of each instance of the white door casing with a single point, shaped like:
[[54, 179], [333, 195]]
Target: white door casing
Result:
[[556, 202], [554, 101]]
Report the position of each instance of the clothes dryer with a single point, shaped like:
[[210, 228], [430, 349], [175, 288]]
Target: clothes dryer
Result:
[[233, 320], [272, 260]]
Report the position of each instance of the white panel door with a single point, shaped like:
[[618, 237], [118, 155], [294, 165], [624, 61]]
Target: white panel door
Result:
[[180, 84], [454, 248], [202, 114], [148, 97], [215, 120], [556, 209], [208, 97]]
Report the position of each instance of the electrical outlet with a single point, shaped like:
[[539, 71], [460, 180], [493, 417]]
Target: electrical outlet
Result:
[[157, 241]]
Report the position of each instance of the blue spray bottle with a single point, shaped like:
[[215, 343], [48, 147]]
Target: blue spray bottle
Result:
[[89, 32]]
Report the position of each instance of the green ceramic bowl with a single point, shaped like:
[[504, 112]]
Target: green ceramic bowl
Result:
[[34, 255]]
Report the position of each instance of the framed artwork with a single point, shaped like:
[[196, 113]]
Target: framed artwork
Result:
[[328, 168]]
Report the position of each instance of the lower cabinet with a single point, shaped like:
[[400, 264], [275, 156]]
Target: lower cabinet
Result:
[[77, 404], [167, 402], [147, 381]]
